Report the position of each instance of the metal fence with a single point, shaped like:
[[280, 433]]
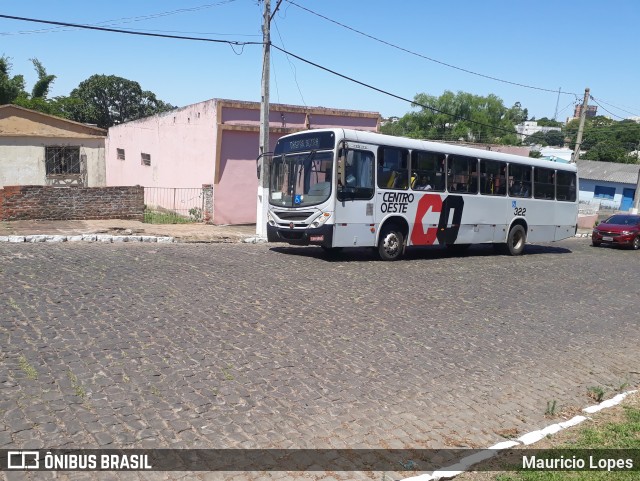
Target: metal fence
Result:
[[170, 205]]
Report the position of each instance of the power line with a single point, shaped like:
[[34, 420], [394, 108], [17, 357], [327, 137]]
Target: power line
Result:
[[293, 69], [385, 92], [130, 32], [424, 56], [619, 108], [598, 104], [133, 19], [237, 43]]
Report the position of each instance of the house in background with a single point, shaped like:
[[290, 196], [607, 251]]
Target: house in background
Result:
[[556, 154], [531, 127], [40, 149], [607, 185], [214, 142]]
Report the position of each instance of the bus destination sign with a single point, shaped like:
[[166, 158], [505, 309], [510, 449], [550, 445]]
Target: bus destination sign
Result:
[[305, 142]]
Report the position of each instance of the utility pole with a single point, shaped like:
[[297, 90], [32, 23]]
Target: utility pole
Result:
[[583, 115], [636, 196], [263, 182]]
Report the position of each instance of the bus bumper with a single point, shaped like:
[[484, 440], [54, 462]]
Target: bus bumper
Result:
[[321, 236]]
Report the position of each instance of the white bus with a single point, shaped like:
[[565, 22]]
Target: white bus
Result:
[[340, 188]]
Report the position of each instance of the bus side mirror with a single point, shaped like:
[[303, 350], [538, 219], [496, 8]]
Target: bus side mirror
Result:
[[258, 167]]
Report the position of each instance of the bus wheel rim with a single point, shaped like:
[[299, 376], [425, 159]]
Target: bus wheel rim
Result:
[[391, 244], [518, 238]]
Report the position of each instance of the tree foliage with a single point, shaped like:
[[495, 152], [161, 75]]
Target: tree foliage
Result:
[[552, 137], [41, 87], [102, 100], [606, 140], [545, 122], [466, 117], [460, 116], [10, 87], [107, 100]]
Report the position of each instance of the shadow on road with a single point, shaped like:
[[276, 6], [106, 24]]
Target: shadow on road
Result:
[[368, 254]]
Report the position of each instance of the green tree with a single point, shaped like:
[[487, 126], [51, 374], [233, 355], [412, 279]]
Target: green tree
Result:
[[10, 87], [38, 100], [555, 138], [460, 116], [609, 151], [107, 100], [538, 138], [41, 87], [605, 139], [545, 122], [552, 137], [517, 114]]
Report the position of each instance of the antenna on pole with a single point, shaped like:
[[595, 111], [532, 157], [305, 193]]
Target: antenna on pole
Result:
[[555, 115]]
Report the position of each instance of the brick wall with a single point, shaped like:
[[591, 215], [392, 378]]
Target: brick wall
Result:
[[31, 202]]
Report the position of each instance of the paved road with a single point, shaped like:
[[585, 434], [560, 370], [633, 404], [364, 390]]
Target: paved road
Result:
[[256, 346]]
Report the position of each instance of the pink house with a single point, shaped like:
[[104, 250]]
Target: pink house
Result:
[[212, 143]]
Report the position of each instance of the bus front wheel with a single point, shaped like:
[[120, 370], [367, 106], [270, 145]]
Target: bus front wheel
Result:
[[391, 244], [516, 240]]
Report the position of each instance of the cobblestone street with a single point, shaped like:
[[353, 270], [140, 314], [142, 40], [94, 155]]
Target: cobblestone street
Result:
[[139, 345]]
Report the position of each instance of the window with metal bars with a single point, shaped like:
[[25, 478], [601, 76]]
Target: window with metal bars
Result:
[[120, 153], [62, 160], [145, 159]]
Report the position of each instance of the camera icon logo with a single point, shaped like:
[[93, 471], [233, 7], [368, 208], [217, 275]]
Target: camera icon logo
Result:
[[23, 460]]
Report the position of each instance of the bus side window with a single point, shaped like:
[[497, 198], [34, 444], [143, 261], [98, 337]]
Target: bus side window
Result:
[[492, 177], [566, 186], [428, 170], [519, 180], [543, 183], [393, 168], [463, 174]]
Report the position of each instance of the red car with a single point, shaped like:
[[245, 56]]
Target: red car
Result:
[[619, 230]]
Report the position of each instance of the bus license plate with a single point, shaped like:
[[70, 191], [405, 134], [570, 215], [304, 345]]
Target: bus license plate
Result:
[[607, 239], [316, 238]]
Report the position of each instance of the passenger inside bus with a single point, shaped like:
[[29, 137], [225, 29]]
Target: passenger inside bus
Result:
[[520, 190], [400, 180], [423, 183]]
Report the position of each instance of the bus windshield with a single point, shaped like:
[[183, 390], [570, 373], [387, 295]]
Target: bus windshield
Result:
[[300, 179]]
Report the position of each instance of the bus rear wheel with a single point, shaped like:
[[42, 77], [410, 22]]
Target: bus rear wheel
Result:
[[391, 244], [516, 240]]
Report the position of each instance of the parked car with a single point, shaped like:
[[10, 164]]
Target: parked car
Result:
[[620, 230]]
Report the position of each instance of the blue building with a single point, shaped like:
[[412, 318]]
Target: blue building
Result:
[[607, 185]]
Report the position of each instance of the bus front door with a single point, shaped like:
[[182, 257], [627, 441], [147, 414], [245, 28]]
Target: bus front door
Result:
[[354, 222]]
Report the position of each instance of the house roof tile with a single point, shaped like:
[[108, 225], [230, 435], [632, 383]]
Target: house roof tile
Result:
[[608, 171]]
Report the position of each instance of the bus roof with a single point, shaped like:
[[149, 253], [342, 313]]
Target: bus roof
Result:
[[407, 143]]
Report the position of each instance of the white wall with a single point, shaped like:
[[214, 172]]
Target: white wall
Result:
[[22, 159]]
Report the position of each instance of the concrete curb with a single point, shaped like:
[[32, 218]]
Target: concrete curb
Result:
[[86, 238], [254, 240], [466, 464]]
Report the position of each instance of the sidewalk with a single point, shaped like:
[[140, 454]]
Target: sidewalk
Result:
[[133, 229], [121, 229]]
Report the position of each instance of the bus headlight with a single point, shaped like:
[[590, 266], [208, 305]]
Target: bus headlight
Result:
[[321, 219], [270, 219]]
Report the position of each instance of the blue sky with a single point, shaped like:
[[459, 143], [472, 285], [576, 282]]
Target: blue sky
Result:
[[567, 44]]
